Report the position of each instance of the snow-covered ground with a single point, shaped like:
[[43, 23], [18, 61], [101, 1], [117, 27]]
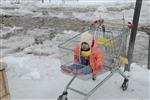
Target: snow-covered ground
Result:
[[31, 31], [37, 77]]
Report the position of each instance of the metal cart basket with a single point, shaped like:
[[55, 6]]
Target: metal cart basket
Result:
[[112, 41]]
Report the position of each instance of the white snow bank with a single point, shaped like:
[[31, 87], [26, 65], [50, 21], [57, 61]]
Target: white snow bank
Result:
[[42, 77], [30, 67], [9, 30], [140, 74]]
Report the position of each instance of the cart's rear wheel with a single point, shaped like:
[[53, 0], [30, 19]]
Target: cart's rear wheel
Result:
[[93, 77], [125, 84], [63, 96]]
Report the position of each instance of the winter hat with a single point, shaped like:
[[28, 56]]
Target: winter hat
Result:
[[87, 37]]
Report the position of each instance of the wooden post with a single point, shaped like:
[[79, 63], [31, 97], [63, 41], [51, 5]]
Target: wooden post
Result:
[[133, 33], [4, 91]]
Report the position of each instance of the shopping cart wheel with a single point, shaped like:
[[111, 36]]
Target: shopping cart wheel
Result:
[[93, 78], [63, 96], [125, 84]]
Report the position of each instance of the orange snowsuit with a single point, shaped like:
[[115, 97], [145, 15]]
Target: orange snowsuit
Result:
[[96, 57]]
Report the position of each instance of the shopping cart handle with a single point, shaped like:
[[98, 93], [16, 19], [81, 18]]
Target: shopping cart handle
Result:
[[100, 21]]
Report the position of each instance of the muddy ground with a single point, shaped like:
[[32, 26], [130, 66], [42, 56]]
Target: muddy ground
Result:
[[58, 25]]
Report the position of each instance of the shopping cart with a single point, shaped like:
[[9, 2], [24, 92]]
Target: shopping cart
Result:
[[112, 41]]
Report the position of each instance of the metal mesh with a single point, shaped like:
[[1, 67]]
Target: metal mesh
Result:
[[112, 42]]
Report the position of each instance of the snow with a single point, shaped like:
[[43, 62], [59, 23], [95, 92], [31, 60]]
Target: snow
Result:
[[105, 9], [25, 67], [43, 78], [34, 68], [41, 75]]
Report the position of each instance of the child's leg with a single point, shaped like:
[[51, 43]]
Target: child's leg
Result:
[[76, 66], [86, 70]]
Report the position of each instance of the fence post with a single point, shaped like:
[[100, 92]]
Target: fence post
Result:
[[149, 52]]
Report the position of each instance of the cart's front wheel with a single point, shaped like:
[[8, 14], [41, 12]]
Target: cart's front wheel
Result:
[[63, 96], [125, 84]]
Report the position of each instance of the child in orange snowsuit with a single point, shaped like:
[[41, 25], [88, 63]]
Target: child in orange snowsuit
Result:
[[88, 57]]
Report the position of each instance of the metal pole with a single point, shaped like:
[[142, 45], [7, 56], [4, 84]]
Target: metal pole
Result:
[[70, 83], [149, 52], [133, 33], [96, 87]]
